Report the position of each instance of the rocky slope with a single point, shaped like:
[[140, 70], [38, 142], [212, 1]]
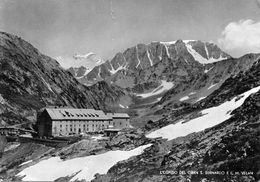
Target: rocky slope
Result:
[[30, 80]]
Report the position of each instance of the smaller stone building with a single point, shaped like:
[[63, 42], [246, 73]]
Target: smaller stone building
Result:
[[118, 120]]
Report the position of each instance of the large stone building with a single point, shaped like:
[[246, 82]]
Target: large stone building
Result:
[[66, 121]]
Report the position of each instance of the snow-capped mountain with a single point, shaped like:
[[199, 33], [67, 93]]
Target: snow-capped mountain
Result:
[[88, 62], [141, 57], [79, 72]]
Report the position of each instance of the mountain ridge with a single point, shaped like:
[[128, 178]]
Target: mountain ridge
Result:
[[30, 80]]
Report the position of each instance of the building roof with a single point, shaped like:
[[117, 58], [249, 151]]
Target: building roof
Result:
[[117, 115], [76, 114]]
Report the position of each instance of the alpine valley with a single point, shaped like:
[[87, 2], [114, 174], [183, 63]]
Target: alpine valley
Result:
[[195, 112]]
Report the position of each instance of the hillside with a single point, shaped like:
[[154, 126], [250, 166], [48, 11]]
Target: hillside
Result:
[[30, 80], [224, 144]]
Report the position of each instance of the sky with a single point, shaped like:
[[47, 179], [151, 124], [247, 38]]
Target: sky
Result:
[[81, 32]]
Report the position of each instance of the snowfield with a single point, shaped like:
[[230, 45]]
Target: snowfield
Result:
[[160, 89], [210, 117], [53, 168]]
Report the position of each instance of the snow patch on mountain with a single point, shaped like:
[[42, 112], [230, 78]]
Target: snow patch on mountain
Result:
[[47, 84], [200, 58], [210, 117], [192, 93], [187, 41], [167, 51], [206, 71], [86, 72], [137, 58], [2, 100], [54, 168], [168, 43], [122, 106], [26, 162], [211, 86], [184, 98], [200, 99], [160, 89], [207, 51], [121, 67], [149, 57]]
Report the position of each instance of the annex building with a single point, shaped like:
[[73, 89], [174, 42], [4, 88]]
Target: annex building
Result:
[[67, 121]]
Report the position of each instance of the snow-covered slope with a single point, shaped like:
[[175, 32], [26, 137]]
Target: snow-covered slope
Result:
[[54, 168], [160, 89], [210, 117], [198, 57]]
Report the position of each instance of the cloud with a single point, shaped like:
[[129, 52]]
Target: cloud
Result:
[[84, 56], [239, 38], [88, 60]]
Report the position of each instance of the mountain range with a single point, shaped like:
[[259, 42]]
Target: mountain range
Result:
[[166, 73], [194, 108]]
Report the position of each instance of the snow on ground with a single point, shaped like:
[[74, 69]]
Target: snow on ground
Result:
[[53, 168], [86, 72], [200, 58], [206, 71], [184, 98], [11, 147], [25, 162], [211, 86], [97, 137], [120, 67], [187, 41], [207, 51], [168, 43], [137, 57], [210, 117], [200, 99], [122, 106], [167, 51], [149, 57], [160, 89], [192, 93]]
